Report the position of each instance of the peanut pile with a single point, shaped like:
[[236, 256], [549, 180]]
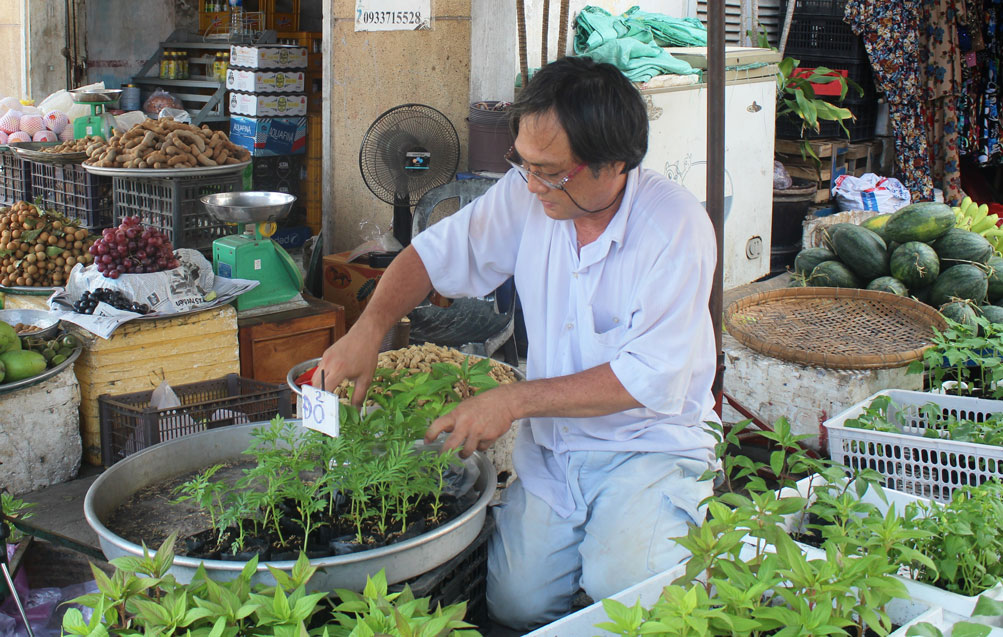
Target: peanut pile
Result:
[[165, 143]]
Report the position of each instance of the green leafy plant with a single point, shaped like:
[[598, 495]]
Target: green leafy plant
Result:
[[882, 414], [797, 102], [14, 508], [970, 357], [142, 598]]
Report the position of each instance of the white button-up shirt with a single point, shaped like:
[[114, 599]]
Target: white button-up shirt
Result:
[[636, 298]]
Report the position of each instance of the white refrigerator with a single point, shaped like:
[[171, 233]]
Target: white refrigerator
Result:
[[677, 148]]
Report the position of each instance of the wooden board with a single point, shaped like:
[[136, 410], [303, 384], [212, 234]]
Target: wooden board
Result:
[[696, 56]]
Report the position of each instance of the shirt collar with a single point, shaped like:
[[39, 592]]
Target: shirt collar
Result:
[[617, 227]]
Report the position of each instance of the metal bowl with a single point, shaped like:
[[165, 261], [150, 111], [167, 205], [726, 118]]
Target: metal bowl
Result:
[[248, 207], [47, 322], [96, 95]]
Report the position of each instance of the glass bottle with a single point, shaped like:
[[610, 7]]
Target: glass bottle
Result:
[[172, 66]]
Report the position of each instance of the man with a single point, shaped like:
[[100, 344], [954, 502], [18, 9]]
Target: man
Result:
[[613, 265]]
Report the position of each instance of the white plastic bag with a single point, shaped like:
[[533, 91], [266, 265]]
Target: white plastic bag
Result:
[[61, 100], [870, 192]]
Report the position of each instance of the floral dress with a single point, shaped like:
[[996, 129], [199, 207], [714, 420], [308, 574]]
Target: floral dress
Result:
[[891, 33], [940, 56]]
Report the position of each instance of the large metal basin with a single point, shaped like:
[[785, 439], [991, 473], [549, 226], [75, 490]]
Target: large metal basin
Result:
[[402, 560]]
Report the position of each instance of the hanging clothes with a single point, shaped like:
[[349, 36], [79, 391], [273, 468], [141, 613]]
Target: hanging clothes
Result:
[[890, 29], [940, 57]]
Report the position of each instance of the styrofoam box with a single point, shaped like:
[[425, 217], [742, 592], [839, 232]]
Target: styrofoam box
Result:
[[927, 467], [961, 605], [279, 105], [250, 81], [268, 56]]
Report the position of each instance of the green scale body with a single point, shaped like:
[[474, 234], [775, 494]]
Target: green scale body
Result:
[[246, 256]]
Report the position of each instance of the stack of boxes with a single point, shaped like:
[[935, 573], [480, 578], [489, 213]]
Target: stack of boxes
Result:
[[311, 191], [268, 108]]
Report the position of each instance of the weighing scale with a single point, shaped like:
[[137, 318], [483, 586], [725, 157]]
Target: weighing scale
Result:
[[99, 123], [252, 255]]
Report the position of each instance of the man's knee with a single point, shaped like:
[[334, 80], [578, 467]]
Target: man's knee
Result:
[[520, 596]]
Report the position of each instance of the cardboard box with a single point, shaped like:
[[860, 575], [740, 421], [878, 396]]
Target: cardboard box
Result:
[[266, 136], [268, 56], [350, 285], [250, 81], [267, 105]]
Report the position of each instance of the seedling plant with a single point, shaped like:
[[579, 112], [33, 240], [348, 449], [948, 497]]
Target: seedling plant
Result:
[[372, 485], [972, 357]]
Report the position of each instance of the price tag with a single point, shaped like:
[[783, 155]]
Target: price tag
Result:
[[321, 411], [392, 15]]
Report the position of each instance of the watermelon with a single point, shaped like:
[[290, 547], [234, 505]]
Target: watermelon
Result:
[[915, 263], [995, 291], [924, 221], [829, 232], [958, 245], [833, 274], [862, 250], [877, 224], [807, 259], [963, 281], [960, 312], [888, 284], [892, 245], [993, 313]]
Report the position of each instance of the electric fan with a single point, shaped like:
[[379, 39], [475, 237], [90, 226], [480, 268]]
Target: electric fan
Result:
[[406, 152]]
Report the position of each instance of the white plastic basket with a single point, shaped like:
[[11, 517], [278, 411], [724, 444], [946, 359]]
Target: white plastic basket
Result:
[[927, 467]]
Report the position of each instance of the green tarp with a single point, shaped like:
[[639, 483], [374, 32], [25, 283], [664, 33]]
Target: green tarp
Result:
[[632, 41]]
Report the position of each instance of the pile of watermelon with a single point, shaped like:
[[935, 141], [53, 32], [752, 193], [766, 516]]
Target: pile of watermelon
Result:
[[916, 251]]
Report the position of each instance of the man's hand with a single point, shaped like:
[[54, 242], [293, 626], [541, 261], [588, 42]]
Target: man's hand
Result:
[[476, 422], [351, 357]]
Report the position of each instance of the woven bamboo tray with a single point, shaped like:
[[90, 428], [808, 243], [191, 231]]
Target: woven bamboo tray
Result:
[[840, 328]]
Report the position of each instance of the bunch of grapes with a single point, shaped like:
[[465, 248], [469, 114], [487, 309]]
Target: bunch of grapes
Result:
[[89, 300], [132, 249]]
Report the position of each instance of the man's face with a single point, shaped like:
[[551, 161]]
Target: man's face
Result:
[[545, 151]]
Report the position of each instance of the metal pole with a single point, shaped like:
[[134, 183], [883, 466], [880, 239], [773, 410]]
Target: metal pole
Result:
[[520, 21], [546, 32], [715, 172], [4, 534]]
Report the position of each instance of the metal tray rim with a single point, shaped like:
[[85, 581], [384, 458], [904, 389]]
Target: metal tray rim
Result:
[[162, 173]]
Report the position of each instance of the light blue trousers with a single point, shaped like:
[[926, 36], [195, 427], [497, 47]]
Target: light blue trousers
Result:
[[627, 506]]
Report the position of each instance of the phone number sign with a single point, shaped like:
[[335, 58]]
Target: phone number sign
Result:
[[392, 15]]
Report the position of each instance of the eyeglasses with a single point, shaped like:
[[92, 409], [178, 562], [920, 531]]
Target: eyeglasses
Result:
[[515, 161]]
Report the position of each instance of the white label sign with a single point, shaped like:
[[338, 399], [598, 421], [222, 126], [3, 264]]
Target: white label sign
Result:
[[321, 411], [393, 15]]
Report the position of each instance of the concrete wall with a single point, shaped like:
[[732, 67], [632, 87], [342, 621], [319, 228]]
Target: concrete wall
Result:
[[11, 48], [121, 39], [494, 55], [372, 72], [46, 39]]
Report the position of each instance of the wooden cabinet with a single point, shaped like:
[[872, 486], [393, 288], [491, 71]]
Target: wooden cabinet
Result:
[[271, 344]]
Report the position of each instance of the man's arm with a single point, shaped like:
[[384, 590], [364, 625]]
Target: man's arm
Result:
[[480, 420], [402, 287]]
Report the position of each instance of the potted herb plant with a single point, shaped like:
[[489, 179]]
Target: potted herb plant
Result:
[[372, 498], [965, 360]]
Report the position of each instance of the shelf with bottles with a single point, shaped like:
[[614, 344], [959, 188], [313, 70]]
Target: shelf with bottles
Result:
[[215, 16]]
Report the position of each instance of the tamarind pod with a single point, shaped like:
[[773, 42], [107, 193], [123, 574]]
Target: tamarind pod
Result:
[[176, 141], [192, 139], [172, 150], [205, 160]]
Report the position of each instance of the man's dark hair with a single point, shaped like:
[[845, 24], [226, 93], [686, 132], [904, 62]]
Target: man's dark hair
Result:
[[602, 113]]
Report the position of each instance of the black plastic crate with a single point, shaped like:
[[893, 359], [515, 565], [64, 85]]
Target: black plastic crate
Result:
[[71, 190], [859, 72], [280, 173], [463, 578], [129, 424], [824, 36], [172, 206], [860, 129], [15, 177], [817, 8]]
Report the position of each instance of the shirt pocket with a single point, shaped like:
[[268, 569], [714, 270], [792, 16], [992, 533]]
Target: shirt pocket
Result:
[[600, 347]]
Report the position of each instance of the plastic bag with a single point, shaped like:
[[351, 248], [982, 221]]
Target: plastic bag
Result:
[[177, 114], [160, 100], [781, 178], [61, 100], [126, 121], [870, 192]]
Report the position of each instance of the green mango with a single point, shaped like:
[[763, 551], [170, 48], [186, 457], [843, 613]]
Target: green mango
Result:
[[9, 339], [21, 364]]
